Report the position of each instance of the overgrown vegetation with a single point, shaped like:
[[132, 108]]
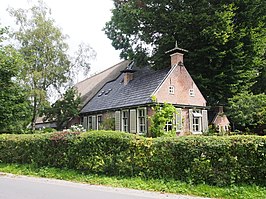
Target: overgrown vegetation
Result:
[[163, 114], [248, 111], [160, 185], [212, 160]]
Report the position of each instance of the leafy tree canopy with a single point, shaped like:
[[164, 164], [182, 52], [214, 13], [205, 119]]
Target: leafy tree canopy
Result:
[[43, 47], [249, 111], [14, 104], [63, 110], [226, 39]]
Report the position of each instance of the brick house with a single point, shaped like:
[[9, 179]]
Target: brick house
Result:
[[126, 100]]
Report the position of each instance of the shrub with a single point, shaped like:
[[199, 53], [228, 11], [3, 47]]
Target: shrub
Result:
[[214, 160]]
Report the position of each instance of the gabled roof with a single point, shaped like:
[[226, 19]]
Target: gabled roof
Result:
[[90, 86], [115, 94]]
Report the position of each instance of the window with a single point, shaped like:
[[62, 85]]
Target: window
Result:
[[101, 93], [171, 90], [89, 122], [197, 121], [141, 121], [99, 122], [191, 93], [108, 91], [196, 124], [125, 121], [168, 126]]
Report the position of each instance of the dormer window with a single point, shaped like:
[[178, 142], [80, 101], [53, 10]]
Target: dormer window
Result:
[[101, 93], [108, 91], [171, 90], [191, 93]]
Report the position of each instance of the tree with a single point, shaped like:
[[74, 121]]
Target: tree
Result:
[[225, 39], [43, 47], [63, 109], [14, 104], [249, 111]]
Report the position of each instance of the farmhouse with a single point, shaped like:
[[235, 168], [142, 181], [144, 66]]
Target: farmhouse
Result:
[[123, 98]]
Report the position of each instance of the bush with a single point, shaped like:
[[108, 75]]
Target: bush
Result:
[[213, 160]]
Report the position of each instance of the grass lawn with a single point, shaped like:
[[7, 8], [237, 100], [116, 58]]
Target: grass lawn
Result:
[[168, 186]]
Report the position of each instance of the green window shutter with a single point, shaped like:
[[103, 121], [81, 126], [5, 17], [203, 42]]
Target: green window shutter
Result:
[[190, 115], [133, 121], [85, 122], [94, 124], [204, 120], [117, 121], [178, 120]]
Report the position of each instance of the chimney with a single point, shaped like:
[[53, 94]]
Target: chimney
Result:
[[128, 75], [176, 55], [220, 109]]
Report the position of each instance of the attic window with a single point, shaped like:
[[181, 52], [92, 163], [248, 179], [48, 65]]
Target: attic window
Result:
[[101, 93], [191, 93], [108, 91], [171, 90]]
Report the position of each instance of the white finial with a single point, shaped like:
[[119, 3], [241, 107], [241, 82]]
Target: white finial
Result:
[[175, 43]]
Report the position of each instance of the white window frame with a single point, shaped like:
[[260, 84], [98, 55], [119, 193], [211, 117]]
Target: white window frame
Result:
[[171, 90], [125, 121], [191, 92], [168, 125], [141, 121], [197, 122]]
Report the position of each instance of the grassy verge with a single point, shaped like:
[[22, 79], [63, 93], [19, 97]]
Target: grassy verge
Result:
[[168, 186]]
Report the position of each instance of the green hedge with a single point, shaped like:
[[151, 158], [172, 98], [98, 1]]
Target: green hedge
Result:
[[201, 159]]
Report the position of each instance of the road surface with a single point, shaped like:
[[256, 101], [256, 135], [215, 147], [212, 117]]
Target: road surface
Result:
[[22, 187]]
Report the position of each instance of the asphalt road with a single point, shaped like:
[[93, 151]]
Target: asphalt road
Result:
[[22, 187]]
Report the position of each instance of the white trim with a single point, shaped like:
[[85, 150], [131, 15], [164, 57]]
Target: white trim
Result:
[[197, 114], [145, 120], [171, 89], [191, 92], [127, 119], [160, 85]]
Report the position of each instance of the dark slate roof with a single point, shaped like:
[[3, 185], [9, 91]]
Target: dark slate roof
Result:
[[138, 91]]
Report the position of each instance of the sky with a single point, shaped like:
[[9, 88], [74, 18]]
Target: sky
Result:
[[82, 21]]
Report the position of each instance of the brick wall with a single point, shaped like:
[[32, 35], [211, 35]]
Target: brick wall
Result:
[[182, 82]]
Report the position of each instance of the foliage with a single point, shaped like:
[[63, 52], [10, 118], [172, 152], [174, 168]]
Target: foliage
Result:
[[226, 40], [43, 47], [48, 68], [159, 185], [14, 105], [249, 111], [108, 122], [211, 160], [63, 109], [159, 119]]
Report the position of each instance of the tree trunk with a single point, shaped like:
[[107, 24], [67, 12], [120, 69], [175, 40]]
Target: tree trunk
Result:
[[34, 115]]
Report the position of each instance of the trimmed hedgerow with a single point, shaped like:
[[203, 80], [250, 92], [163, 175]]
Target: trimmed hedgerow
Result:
[[211, 160]]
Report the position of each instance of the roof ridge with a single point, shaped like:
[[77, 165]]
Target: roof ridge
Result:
[[101, 72]]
